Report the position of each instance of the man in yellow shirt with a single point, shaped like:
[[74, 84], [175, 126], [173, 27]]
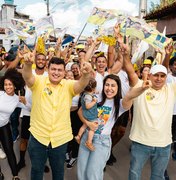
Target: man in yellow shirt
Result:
[[50, 125]]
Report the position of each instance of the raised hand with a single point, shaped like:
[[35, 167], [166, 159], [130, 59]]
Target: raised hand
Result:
[[29, 58], [59, 41], [97, 41], [169, 49], [89, 41], [117, 30], [20, 53], [22, 99], [146, 83], [124, 47], [86, 68]]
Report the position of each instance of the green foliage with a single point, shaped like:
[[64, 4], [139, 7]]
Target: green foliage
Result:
[[154, 7]]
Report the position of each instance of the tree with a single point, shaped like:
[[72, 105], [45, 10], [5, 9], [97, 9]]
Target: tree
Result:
[[162, 4]]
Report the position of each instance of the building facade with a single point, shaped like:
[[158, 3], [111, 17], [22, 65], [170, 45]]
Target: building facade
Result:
[[7, 12]]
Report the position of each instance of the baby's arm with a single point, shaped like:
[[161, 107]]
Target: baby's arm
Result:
[[89, 105]]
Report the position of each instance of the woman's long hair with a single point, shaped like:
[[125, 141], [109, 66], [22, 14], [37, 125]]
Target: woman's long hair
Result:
[[117, 97]]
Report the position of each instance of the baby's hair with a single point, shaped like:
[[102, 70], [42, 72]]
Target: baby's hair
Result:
[[91, 85]]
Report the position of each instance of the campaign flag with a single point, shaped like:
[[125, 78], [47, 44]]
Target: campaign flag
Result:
[[141, 48], [40, 45], [9, 33], [23, 26], [21, 35], [21, 29], [58, 32], [139, 28], [105, 35], [67, 40], [160, 55], [44, 25], [100, 16]]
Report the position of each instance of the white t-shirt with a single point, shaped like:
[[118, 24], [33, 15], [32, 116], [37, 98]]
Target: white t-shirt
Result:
[[98, 91], [45, 74], [7, 106], [68, 66], [106, 118], [152, 117], [124, 82], [28, 96], [75, 100], [172, 79]]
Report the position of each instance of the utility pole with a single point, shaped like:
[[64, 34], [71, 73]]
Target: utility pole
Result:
[[142, 8], [47, 5]]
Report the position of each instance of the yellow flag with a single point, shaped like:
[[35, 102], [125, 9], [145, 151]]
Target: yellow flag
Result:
[[41, 45], [109, 40], [139, 28], [99, 16]]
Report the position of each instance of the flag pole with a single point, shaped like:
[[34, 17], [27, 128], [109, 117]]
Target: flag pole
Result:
[[26, 44], [124, 38], [81, 32], [83, 28]]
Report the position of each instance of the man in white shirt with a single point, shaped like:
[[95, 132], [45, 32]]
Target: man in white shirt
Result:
[[152, 118]]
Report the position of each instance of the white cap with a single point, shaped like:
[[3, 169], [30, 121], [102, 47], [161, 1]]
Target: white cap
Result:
[[158, 68]]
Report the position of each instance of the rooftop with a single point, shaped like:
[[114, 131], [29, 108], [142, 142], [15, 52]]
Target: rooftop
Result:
[[161, 12]]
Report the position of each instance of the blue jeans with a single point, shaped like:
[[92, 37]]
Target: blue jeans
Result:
[[91, 164], [38, 155], [140, 153]]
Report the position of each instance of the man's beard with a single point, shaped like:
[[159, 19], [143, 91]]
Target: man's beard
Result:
[[40, 68]]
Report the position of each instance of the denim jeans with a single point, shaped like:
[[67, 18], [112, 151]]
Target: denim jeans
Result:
[[38, 155], [140, 153], [91, 164]]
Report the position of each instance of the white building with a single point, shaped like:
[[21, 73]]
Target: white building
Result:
[[7, 12]]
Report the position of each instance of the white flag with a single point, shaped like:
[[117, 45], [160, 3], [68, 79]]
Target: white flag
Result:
[[44, 25]]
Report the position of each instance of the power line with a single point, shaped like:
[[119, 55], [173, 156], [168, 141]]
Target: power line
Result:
[[57, 5]]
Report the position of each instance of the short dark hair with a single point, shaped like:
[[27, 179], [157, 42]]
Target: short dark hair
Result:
[[76, 63], [172, 60], [40, 54], [101, 55], [82, 50], [151, 58], [56, 60]]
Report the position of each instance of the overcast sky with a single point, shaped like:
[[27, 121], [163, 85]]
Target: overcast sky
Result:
[[74, 13]]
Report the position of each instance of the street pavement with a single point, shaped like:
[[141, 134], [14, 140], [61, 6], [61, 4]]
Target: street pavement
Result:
[[119, 170]]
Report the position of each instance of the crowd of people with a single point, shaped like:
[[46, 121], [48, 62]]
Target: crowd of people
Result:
[[75, 104]]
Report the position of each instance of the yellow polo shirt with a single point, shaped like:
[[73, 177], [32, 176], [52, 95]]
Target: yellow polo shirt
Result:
[[50, 113]]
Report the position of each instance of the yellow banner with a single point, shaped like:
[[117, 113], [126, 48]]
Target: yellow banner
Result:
[[99, 16], [139, 28]]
